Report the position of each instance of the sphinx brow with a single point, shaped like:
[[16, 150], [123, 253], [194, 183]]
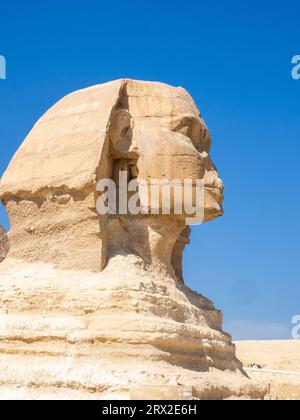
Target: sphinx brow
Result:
[[189, 117], [187, 120]]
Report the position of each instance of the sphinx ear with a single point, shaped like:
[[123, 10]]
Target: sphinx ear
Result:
[[121, 131]]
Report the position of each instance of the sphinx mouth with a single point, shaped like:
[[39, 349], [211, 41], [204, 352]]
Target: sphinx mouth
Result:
[[214, 189], [212, 213]]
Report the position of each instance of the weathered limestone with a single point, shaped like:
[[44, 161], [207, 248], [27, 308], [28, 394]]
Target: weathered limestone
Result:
[[3, 244], [96, 306]]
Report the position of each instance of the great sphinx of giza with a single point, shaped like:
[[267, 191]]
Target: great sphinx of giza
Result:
[[95, 306]]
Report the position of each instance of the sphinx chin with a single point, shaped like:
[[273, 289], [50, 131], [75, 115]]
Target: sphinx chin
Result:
[[213, 212], [213, 205]]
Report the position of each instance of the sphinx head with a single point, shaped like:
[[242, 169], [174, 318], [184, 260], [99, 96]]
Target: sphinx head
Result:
[[159, 132], [152, 132]]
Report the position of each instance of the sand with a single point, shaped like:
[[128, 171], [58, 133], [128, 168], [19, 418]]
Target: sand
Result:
[[277, 355], [280, 362]]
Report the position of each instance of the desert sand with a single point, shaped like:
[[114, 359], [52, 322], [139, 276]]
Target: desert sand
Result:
[[280, 362]]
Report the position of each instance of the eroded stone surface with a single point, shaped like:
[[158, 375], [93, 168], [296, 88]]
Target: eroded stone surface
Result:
[[96, 306], [3, 244]]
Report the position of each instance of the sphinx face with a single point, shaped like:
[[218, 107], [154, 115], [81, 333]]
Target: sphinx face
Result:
[[173, 142]]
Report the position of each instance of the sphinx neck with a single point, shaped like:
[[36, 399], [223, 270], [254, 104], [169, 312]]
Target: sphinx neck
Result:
[[157, 240]]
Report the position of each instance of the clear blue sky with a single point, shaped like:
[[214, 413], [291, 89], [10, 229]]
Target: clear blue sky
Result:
[[234, 58]]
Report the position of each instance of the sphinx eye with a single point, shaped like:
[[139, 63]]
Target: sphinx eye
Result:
[[185, 130], [194, 130], [184, 126]]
